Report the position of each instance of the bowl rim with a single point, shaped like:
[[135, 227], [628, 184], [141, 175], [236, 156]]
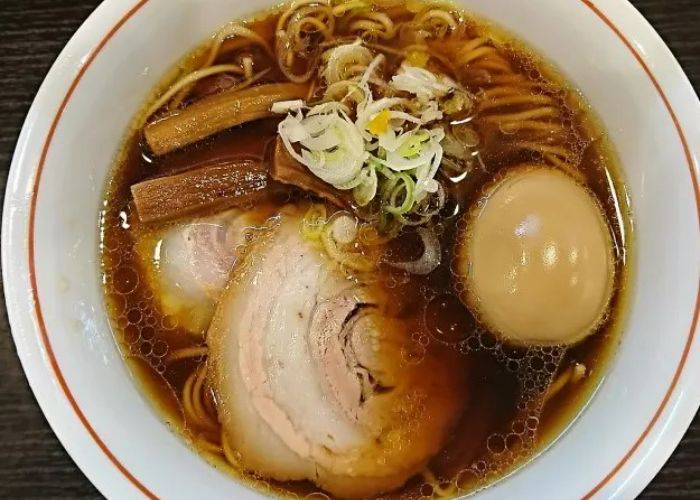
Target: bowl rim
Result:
[[123, 12]]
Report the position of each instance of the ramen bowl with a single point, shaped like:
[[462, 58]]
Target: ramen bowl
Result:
[[51, 247]]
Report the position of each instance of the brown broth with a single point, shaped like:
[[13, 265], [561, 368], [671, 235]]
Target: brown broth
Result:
[[495, 434]]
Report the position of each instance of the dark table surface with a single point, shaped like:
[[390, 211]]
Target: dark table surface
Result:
[[32, 32]]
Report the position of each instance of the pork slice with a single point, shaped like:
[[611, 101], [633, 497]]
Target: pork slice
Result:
[[310, 373], [188, 263]]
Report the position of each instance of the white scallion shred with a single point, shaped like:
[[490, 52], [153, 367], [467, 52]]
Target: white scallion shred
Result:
[[424, 84]]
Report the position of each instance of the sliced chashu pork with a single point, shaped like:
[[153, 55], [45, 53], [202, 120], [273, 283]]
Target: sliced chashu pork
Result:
[[189, 263], [310, 374]]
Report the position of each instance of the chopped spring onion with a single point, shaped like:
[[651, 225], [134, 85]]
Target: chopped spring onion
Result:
[[332, 147], [403, 188], [391, 151], [413, 145], [366, 190]]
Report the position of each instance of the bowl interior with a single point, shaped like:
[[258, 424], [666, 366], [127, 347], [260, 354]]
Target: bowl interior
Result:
[[112, 88]]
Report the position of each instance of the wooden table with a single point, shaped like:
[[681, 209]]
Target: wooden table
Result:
[[32, 32]]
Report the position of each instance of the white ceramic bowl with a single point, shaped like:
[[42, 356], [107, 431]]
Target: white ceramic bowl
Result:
[[50, 246]]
